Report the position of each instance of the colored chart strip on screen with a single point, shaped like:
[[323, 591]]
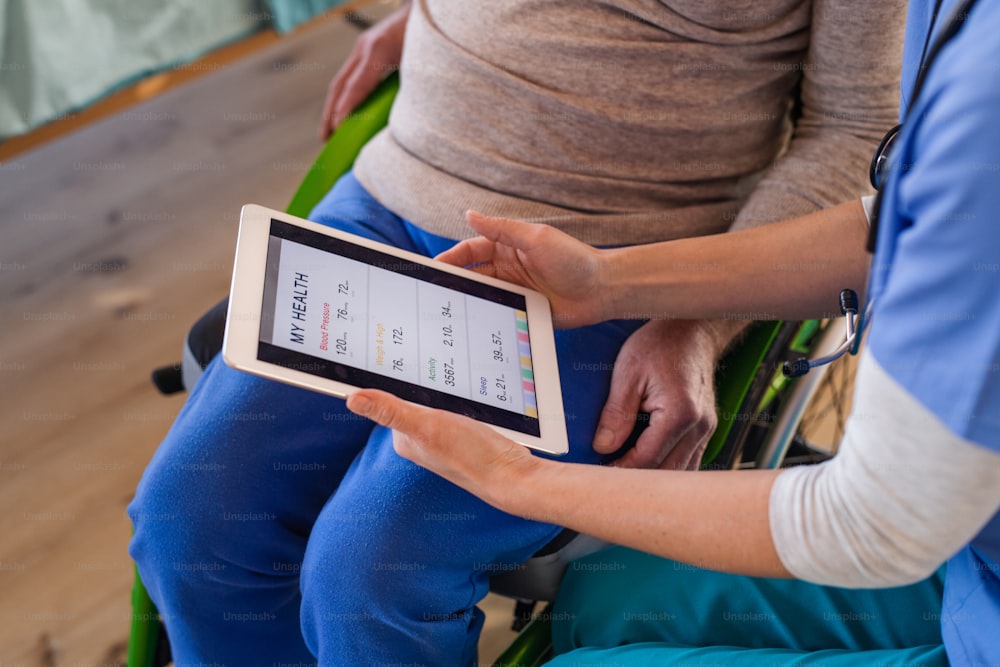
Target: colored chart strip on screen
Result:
[[527, 375]]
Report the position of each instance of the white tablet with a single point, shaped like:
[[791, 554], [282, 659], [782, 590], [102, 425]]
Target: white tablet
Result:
[[334, 312]]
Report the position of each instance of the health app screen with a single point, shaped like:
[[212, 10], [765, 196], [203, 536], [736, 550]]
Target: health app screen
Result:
[[357, 315]]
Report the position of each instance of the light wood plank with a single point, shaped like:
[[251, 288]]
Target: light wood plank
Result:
[[112, 241]]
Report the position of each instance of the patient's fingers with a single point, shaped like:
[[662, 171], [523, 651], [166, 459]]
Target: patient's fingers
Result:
[[333, 94], [362, 82]]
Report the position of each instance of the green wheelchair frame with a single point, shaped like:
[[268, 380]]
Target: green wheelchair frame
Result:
[[748, 386]]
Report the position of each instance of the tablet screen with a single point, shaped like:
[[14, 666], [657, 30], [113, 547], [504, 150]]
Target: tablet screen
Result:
[[359, 316]]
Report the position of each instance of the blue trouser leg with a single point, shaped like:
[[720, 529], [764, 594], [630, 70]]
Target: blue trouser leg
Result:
[[399, 556], [620, 606], [258, 482], [225, 508]]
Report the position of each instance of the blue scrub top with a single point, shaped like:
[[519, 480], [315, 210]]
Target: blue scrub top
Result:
[[936, 280]]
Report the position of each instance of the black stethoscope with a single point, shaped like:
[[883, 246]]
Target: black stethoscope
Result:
[[854, 319]]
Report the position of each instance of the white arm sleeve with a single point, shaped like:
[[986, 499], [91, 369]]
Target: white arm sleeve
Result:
[[868, 203], [902, 495]]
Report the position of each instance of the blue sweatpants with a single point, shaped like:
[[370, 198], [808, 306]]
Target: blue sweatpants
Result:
[[623, 607], [274, 527]]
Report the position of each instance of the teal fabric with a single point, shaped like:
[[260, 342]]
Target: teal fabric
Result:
[[623, 607], [57, 56], [60, 55], [286, 14], [660, 655]]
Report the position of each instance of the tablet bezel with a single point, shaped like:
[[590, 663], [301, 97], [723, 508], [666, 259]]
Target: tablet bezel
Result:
[[242, 333]]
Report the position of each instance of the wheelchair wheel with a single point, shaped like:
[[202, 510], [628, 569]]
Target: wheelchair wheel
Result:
[[823, 422], [789, 421]]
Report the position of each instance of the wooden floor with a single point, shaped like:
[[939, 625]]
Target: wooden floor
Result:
[[112, 241]]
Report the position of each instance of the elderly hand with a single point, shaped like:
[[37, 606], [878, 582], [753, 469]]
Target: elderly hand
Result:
[[667, 369], [377, 52]]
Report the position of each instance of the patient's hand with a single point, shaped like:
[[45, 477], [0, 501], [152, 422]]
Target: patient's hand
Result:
[[666, 368], [567, 271], [377, 52]]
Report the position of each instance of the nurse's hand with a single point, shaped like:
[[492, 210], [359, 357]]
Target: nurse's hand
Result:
[[463, 451], [567, 271]]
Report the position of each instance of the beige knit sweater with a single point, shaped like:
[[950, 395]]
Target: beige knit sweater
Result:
[[633, 121]]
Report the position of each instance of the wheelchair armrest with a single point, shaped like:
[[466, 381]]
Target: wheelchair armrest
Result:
[[203, 342], [540, 576]]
